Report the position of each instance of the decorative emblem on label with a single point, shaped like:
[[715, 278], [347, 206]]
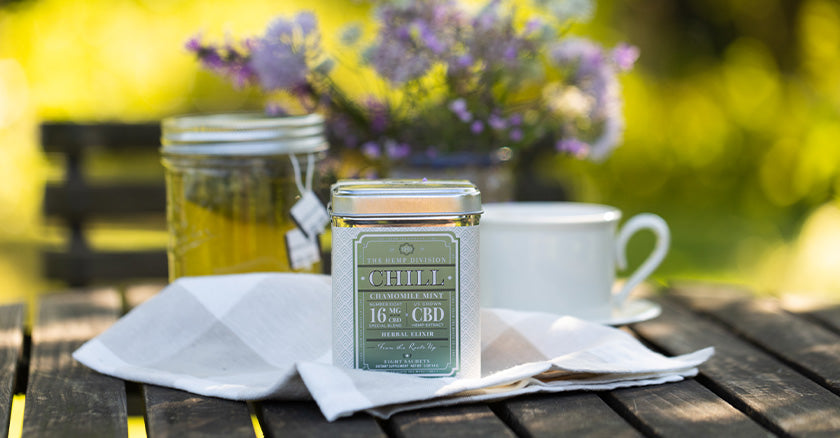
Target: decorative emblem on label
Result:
[[406, 249], [406, 299]]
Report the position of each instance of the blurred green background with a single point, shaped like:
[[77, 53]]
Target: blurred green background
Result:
[[733, 121]]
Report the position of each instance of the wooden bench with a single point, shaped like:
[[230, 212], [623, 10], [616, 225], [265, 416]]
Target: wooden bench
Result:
[[776, 372], [77, 201]]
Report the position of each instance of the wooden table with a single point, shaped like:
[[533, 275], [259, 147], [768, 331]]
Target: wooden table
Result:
[[776, 372]]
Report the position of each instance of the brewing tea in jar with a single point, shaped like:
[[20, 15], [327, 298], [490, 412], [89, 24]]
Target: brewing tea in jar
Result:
[[239, 193], [405, 276]]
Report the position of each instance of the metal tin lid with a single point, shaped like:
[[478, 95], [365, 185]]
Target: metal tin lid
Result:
[[404, 197], [242, 134]]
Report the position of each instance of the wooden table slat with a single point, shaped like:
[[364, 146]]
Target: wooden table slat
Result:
[[684, 409], [829, 316], [461, 421], [304, 419], [566, 415], [11, 347], [814, 349], [774, 372], [770, 392], [64, 398], [171, 412], [175, 413]]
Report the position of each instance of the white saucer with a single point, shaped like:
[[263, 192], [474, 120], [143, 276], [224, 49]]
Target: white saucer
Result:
[[633, 310]]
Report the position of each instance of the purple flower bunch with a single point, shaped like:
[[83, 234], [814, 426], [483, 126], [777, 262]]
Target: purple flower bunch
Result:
[[455, 79], [283, 62]]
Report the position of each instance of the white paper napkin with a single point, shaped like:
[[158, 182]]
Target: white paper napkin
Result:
[[261, 336]]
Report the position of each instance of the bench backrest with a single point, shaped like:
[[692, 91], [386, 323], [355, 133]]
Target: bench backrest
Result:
[[77, 200]]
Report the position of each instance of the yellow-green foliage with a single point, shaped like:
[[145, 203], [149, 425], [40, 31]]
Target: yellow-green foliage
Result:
[[733, 112], [733, 134]]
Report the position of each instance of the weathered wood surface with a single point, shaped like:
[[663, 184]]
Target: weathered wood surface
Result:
[[304, 419], [460, 421], [775, 372], [64, 398], [174, 413], [750, 379], [575, 414], [682, 409], [807, 347], [11, 347], [829, 316]]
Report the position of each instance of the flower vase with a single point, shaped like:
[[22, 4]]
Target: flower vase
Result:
[[492, 173]]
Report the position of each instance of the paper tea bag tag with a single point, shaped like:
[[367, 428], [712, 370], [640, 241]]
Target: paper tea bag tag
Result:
[[302, 251], [310, 215]]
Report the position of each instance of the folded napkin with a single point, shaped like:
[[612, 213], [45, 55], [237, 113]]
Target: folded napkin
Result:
[[267, 336]]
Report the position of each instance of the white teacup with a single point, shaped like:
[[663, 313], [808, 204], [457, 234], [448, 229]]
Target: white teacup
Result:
[[560, 257]]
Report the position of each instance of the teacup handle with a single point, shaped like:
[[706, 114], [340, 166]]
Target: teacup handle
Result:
[[663, 240]]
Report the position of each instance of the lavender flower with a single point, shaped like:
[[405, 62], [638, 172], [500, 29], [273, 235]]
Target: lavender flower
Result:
[[378, 114], [497, 122], [343, 131], [415, 37], [510, 53], [393, 60], [193, 44], [495, 41], [275, 109], [230, 61], [397, 151], [430, 39], [490, 78], [611, 134], [459, 107], [307, 23], [533, 25], [572, 146], [371, 150], [583, 54], [278, 65], [611, 118], [281, 57], [624, 56], [596, 78], [462, 62]]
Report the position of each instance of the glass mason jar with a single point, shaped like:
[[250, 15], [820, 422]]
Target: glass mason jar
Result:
[[231, 181]]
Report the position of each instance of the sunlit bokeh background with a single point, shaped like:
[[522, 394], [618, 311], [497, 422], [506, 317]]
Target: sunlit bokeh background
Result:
[[733, 121]]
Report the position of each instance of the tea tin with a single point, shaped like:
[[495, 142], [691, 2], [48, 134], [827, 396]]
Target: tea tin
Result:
[[405, 276]]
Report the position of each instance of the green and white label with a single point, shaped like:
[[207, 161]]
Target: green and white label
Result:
[[406, 300]]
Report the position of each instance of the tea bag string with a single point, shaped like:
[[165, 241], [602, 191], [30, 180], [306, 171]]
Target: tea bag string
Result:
[[310, 171]]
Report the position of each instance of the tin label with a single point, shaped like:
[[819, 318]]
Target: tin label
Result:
[[406, 300]]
